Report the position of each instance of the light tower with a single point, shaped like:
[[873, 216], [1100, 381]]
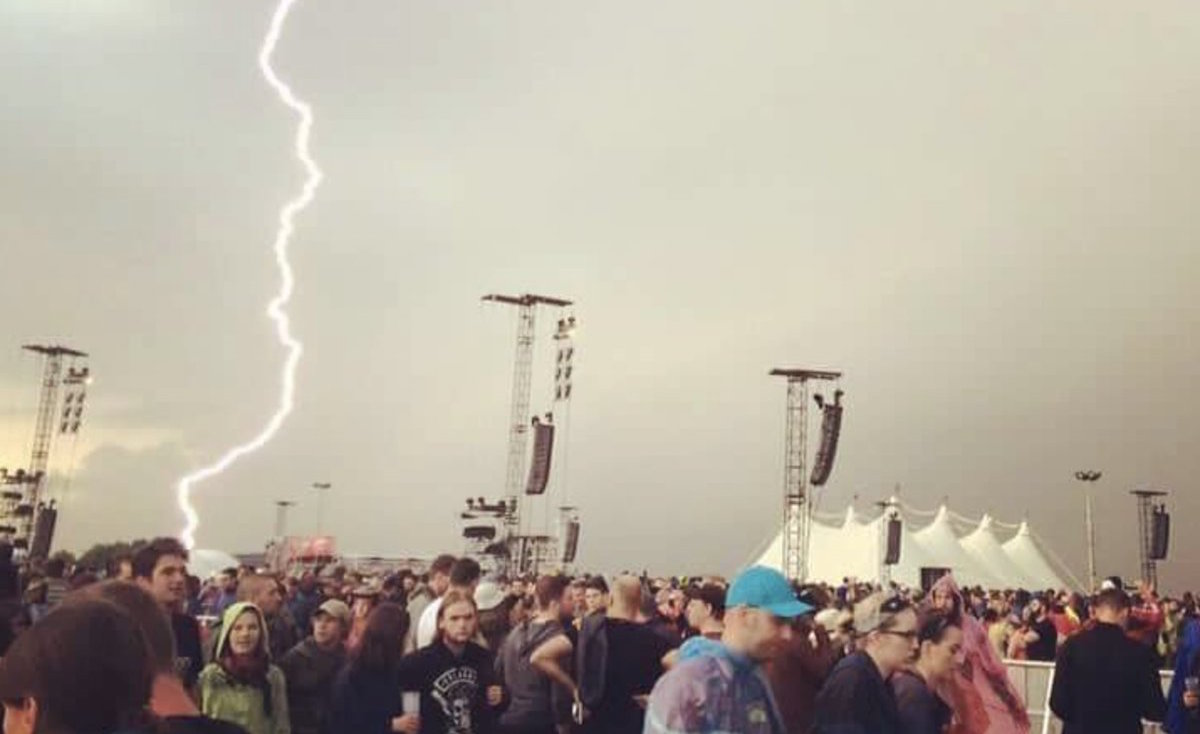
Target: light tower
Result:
[[1089, 478], [797, 512], [23, 512], [322, 488], [281, 508], [519, 413]]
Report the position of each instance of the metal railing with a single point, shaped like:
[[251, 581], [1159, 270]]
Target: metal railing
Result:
[[1033, 680]]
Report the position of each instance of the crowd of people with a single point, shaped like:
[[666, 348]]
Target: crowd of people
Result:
[[142, 646]]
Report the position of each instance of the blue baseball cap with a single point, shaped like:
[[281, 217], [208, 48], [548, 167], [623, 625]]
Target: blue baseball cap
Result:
[[767, 589]]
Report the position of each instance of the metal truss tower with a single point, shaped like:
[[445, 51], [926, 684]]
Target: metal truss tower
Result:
[[519, 416], [797, 512], [22, 515], [1146, 510]]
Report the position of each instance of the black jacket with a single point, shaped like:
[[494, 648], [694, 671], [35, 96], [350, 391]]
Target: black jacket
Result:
[[453, 689], [856, 700], [921, 711], [310, 672], [363, 701], [1105, 683]]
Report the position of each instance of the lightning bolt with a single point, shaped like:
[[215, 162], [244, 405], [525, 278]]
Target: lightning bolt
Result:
[[276, 308]]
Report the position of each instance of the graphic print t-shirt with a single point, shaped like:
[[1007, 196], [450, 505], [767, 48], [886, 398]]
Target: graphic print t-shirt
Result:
[[189, 660], [453, 689]]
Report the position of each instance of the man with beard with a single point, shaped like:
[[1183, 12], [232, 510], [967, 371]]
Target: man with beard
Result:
[[720, 686], [456, 677], [464, 576], [532, 708]]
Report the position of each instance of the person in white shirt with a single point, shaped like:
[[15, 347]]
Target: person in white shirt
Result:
[[464, 576]]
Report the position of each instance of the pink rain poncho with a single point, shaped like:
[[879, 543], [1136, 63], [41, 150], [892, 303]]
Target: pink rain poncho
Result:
[[982, 697]]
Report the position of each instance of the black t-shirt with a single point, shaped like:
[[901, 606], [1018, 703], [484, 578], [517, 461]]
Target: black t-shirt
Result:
[[453, 689], [189, 657], [199, 725], [635, 653], [921, 710], [1047, 643]]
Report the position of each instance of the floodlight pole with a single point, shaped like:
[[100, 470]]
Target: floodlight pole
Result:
[[1089, 478], [322, 488], [281, 508], [797, 512]]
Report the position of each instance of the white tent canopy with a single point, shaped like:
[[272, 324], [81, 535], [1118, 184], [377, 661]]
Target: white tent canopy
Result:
[[204, 563], [942, 545], [1025, 552], [854, 549], [983, 547]]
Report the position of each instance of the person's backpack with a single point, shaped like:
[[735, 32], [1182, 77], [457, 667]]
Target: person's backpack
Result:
[[591, 659]]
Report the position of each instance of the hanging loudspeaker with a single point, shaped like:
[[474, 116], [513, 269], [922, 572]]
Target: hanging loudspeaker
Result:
[[43, 533], [543, 448], [831, 429], [892, 557], [1160, 534], [570, 542]]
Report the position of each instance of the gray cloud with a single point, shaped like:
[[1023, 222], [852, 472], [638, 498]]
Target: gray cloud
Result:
[[982, 215]]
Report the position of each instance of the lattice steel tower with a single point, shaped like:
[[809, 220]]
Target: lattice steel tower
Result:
[[519, 416], [1146, 511], [797, 513], [23, 506]]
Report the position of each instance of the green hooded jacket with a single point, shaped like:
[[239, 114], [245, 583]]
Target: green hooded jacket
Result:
[[222, 697]]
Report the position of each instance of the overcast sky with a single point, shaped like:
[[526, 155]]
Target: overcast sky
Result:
[[983, 213]]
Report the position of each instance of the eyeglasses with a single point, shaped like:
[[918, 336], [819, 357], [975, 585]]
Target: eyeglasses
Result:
[[907, 634], [894, 605]]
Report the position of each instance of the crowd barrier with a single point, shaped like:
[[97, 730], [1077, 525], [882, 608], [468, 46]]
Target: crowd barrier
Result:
[[1033, 681]]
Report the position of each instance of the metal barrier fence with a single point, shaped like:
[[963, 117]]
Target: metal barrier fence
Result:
[[1033, 681]]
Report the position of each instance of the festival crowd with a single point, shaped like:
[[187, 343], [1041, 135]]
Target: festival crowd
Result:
[[143, 647]]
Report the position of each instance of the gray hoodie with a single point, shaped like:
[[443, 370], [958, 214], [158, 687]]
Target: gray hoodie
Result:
[[531, 704]]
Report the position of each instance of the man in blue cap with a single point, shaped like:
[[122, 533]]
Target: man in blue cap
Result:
[[719, 686]]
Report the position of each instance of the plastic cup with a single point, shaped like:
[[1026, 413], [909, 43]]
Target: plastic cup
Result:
[[410, 702]]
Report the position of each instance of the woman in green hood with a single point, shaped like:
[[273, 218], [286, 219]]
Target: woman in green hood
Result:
[[240, 685]]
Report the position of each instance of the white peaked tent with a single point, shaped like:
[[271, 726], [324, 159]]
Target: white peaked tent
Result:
[[986, 551], [1024, 551], [853, 548], [850, 545], [942, 544]]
